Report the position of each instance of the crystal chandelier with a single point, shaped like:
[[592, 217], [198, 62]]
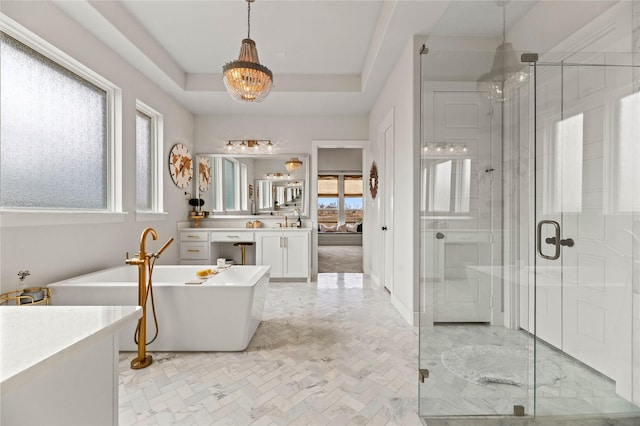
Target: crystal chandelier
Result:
[[293, 164], [506, 73], [250, 146], [246, 79]]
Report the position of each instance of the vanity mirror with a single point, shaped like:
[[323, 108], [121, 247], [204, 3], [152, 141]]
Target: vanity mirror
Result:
[[242, 185]]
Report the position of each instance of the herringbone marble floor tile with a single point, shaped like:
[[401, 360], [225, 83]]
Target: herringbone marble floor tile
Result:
[[331, 352]]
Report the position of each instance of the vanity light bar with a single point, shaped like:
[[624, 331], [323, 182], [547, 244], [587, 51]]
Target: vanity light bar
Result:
[[444, 150], [250, 146], [278, 176]]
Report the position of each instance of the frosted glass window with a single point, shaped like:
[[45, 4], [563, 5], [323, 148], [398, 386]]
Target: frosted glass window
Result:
[[216, 179], [264, 192], [53, 138], [229, 184], [441, 194], [463, 185], [144, 165], [244, 185]]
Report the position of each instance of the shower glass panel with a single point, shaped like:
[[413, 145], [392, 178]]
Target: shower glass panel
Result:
[[479, 359], [530, 226], [587, 117], [529, 296]]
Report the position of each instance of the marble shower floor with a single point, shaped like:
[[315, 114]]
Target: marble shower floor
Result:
[[333, 352], [581, 392]]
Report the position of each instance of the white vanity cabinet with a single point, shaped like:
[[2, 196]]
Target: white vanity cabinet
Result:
[[287, 252], [194, 247]]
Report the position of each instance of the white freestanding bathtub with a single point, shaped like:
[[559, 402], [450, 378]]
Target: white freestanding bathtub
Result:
[[221, 314]]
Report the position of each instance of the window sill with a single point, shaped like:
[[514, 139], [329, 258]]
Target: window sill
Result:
[[150, 217], [16, 218]]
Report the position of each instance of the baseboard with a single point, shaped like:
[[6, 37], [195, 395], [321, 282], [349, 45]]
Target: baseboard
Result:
[[374, 279], [407, 314]]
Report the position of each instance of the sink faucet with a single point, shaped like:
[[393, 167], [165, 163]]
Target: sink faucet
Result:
[[142, 261]]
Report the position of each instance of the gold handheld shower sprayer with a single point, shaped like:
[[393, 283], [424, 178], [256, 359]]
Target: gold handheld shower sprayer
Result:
[[143, 262]]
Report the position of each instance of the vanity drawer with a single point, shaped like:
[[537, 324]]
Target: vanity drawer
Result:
[[232, 236], [194, 236], [194, 251]]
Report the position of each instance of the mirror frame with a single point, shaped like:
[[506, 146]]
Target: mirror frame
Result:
[[305, 158]]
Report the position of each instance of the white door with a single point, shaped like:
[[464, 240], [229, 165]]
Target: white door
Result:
[[269, 252], [458, 172], [296, 254], [386, 200]]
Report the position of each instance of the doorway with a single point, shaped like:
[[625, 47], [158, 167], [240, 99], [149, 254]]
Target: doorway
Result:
[[339, 206]]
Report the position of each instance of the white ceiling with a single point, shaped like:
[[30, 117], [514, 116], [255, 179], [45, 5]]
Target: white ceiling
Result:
[[328, 56]]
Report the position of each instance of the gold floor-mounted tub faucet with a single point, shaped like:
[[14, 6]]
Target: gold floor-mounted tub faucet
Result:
[[143, 261]]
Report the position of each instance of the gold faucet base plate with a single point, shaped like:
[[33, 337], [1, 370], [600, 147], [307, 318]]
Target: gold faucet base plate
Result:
[[136, 364]]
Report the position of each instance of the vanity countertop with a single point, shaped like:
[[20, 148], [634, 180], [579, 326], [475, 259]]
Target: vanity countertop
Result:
[[35, 338], [237, 229]]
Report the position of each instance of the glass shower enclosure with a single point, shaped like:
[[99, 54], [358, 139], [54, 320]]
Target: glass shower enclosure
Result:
[[529, 231]]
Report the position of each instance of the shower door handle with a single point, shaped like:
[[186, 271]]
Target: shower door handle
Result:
[[567, 242], [554, 240]]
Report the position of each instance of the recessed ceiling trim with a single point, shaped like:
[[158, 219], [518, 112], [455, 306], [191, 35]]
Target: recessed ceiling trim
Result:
[[115, 27], [384, 20], [306, 83]]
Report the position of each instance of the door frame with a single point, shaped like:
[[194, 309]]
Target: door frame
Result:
[[313, 194], [385, 200], [502, 299]]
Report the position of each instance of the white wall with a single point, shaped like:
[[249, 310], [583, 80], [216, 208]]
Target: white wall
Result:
[[339, 159], [293, 133], [55, 252], [401, 96]]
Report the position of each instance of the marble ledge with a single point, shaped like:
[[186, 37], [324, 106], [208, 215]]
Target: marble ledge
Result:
[[35, 338], [235, 227]]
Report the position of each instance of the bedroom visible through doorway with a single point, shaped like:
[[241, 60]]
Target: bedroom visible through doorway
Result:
[[340, 205]]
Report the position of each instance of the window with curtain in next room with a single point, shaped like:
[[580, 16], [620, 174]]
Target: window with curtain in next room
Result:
[[339, 198]]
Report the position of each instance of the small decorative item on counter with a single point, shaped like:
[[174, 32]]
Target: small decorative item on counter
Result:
[[26, 296], [249, 224], [206, 273], [196, 216], [257, 224], [221, 262], [31, 295], [196, 203], [299, 221]]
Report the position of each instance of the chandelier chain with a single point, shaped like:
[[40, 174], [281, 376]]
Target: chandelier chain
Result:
[[504, 22], [246, 79], [248, 19]]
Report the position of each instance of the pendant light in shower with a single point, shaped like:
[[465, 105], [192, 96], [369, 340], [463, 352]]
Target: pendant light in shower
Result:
[[507, 72], [245, 78]]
